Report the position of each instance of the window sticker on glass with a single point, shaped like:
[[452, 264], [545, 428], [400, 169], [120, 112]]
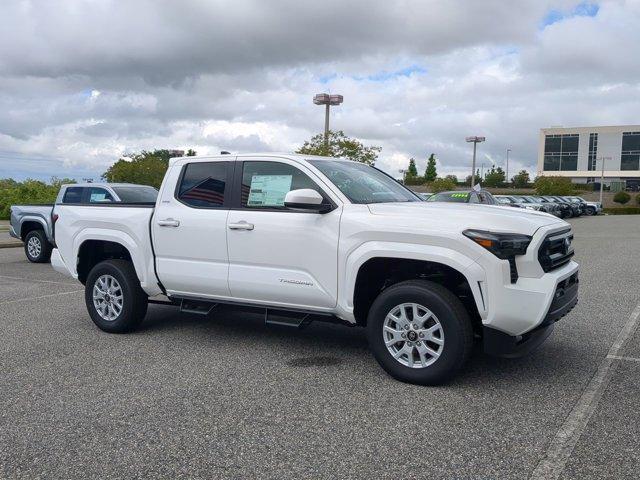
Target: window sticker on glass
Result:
[[98, 197], [269, 190]]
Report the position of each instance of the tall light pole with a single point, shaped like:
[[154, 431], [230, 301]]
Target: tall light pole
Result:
[[602, 177], [402, 172], [327, 100], [507, 179], [475, 141]]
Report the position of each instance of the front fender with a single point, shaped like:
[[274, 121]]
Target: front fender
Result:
[[467, 266]]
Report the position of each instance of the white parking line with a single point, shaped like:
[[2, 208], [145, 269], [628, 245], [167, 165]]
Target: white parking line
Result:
[[42, 296], [628, 359], [35, 280], [561, 447]]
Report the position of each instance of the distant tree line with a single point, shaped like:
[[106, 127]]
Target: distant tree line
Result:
[[28, 191]]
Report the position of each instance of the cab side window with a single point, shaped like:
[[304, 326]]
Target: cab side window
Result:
[[99, 195], [265, 184], [73, 195], [203, 184]]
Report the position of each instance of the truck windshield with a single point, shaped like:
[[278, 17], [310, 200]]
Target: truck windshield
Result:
[[136, 194], [361, 183]]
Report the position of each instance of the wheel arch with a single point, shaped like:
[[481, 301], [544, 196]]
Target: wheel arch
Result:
[[30, 224], [382, 267]]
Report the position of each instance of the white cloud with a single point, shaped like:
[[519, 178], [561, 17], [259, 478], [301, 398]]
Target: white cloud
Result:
[[83, 82]]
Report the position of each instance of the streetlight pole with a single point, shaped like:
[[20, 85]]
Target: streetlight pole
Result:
[[602, 177], [327, 100], [475, 141], [507, 179]]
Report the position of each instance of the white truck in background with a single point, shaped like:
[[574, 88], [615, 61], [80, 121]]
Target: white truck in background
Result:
[[304, 238]]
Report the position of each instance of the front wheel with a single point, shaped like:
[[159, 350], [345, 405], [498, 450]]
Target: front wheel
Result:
[[419, 332], [114, 298], [590, 211]]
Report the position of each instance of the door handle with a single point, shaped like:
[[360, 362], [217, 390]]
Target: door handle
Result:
[[169, 222], [241, 226]]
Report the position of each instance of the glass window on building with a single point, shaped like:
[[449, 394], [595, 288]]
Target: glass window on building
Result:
[[630, 155], [561, 152], [593, 151]]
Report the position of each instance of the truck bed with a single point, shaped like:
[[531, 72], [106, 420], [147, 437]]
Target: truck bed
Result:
[[127, 224]]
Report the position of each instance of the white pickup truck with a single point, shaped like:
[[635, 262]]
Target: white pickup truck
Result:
[[313, 238]]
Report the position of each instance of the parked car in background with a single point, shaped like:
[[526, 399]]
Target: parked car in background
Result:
[[589, 208], [565, 208], [464, 196], [424, 195], [33, 224], [575, 209], [540, 204], [508, 201]]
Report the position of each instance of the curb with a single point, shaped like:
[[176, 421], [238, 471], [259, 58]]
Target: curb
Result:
[[11, 245]]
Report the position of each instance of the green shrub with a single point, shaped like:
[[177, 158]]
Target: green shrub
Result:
[[553, 186], [638, 199], [622, 211], [621, 197], [441, 185]]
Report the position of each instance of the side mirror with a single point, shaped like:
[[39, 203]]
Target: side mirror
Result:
[[306, 199]]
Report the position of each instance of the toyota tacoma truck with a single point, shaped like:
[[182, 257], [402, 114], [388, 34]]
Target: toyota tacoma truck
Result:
[[302, 238], [32, 223]]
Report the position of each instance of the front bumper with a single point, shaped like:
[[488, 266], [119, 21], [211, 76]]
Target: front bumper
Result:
[[13, 233], [499, 343]]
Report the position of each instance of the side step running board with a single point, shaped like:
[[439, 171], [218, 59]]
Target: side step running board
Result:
[[287, 318], [196, 306]]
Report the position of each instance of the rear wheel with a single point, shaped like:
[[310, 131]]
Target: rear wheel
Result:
[[590, 211], [114, 298], [36, 247], [419, 332]]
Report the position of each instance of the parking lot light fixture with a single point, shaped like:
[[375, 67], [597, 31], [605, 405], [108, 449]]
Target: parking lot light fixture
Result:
[[475, 141], [327, 100], [507, 175]]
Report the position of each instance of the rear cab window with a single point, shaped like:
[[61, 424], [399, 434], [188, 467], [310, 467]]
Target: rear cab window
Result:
[[73, 195], [131, 194], [204, 184]]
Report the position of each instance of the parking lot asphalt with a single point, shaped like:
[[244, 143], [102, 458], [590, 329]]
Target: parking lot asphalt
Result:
[[226, 397]]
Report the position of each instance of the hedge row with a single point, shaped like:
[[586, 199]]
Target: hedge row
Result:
[[622, 211]]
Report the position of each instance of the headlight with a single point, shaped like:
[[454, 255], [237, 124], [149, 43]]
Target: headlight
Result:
[[502, 245]]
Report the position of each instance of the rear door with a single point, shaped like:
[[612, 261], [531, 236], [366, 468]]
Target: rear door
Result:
[[278, 255], [190, 229]]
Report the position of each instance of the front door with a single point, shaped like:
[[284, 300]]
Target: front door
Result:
[[277, 255], [190, 230]]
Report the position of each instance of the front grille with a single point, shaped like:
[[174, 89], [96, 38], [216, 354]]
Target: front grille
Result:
[[556, 250]]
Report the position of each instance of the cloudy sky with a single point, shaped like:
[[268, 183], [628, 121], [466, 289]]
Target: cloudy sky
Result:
[[83, 82]]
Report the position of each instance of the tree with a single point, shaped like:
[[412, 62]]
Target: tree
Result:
[[430, 173], [29, 191], [553, 186], [412, 171], [340, 146], [621, 198], [477, 179], [521, 179], [494, 177], [191, 153], [442, 185], [453, 178], [145, 168]]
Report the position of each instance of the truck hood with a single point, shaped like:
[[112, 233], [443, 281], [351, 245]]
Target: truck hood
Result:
[[458, 216]]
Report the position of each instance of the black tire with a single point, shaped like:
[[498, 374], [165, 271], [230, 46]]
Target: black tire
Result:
[[38, 239], [134, 299], [590, 211], [455, 322]]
